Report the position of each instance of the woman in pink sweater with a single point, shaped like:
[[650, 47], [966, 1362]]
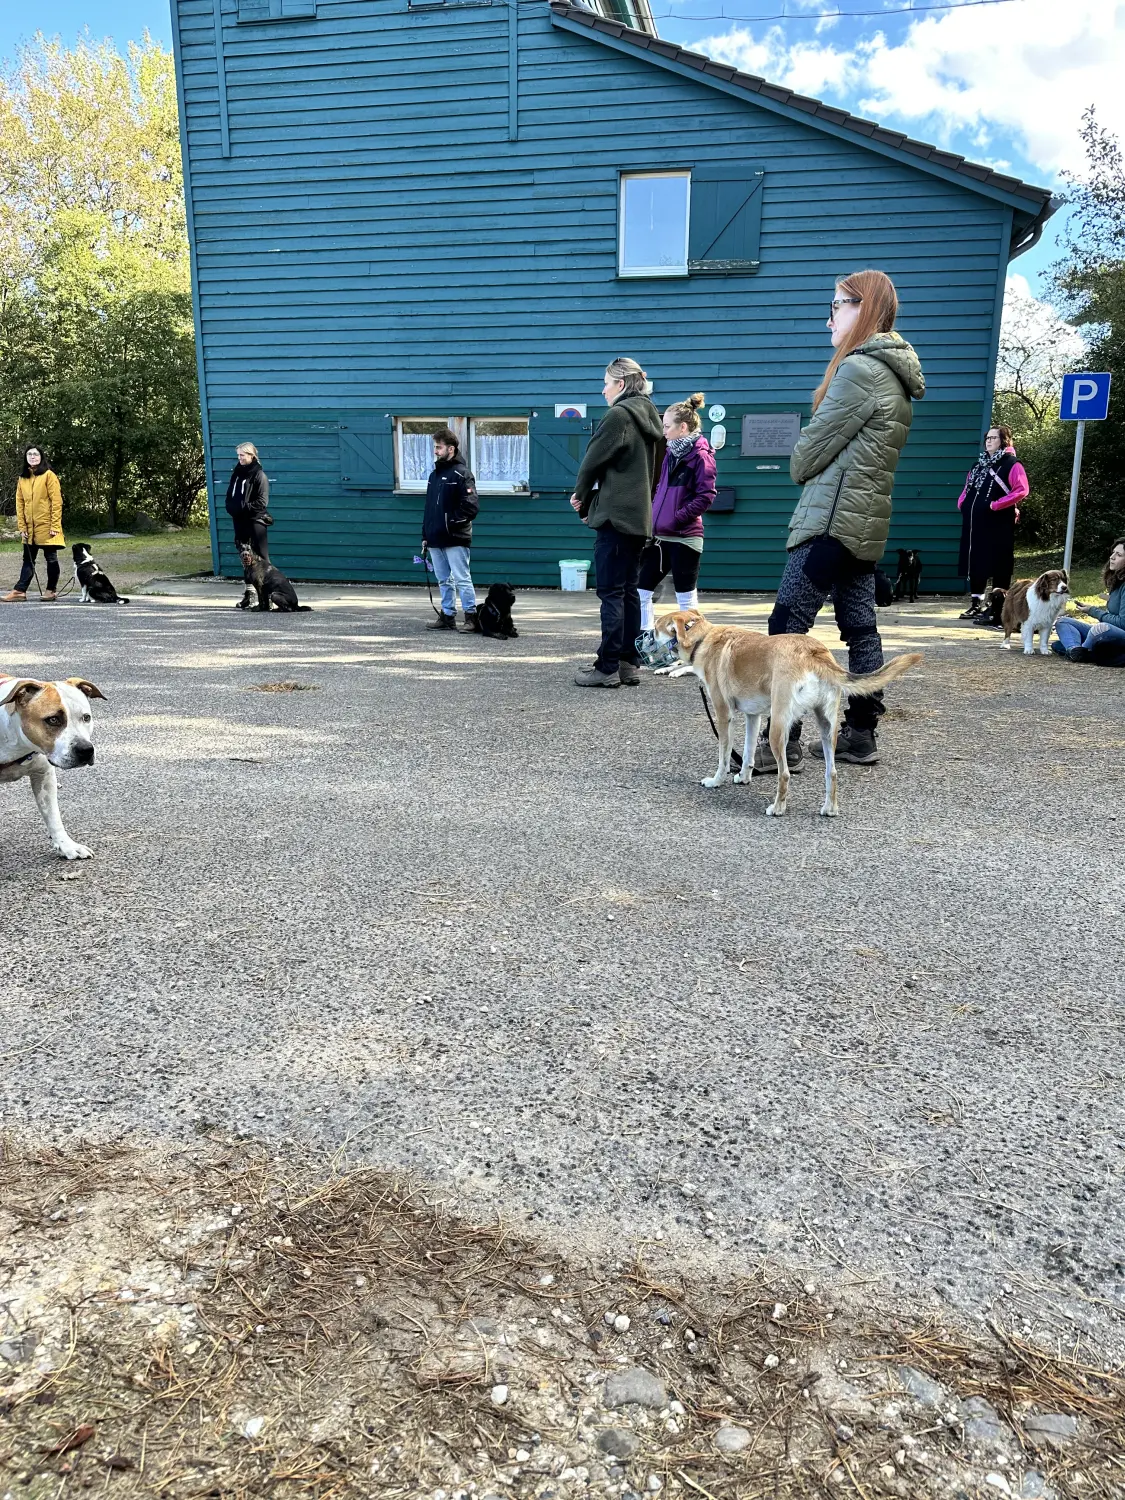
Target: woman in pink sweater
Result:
[[993, 489]]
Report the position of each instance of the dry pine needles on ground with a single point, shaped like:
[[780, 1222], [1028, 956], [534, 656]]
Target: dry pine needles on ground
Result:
[[216, 1320]]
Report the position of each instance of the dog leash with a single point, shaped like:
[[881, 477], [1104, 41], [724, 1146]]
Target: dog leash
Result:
[[735, 755]]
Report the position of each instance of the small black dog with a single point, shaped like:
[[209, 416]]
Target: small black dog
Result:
[[494, 616], [269, 583], [96, 587], [909, 579], [993, 608]]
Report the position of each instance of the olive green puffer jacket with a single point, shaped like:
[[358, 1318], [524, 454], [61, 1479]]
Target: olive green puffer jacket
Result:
[[846, 457]]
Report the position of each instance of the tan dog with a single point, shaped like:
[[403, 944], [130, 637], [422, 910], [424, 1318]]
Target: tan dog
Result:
[[1033, 604], [44, 725], [786, 676]]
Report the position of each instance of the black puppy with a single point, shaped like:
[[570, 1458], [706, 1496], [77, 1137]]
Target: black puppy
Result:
[[993, 608], [268, 582], [909, 579], [96, 586], [494, 616]]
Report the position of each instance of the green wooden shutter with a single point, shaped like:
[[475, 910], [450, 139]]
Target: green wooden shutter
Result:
[[367, 457], [556, 447], [724, 236], [276, 10]]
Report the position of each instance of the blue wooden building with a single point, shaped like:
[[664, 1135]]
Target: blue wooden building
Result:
[[404, 213]]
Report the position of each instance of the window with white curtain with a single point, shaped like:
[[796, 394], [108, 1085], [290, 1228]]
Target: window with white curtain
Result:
[[497, 450], [499, 454]]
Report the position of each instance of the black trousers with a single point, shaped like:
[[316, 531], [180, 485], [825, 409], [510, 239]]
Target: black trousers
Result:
[[661, 558], [815, 570], [250, 529], [616, 561], [30, 553]]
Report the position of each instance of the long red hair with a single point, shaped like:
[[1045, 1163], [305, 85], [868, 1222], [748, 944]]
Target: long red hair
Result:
[[877, 313]]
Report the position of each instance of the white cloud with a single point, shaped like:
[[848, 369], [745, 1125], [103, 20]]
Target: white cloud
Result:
[[1026, 72]]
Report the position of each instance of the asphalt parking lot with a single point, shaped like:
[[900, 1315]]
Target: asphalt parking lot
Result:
[[480, 924]]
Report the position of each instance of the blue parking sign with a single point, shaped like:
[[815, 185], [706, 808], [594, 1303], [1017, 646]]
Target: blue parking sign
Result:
[[1085, 398]]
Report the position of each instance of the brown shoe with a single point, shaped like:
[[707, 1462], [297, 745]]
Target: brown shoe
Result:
[[17, 596], [49, 596]]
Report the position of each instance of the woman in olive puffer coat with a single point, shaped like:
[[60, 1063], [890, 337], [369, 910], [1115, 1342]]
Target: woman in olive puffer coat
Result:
[[846, 459]]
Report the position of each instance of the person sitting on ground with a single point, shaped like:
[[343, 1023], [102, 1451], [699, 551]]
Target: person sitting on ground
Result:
[[248, 501], [447, 531], [1102, 643], [846, 459], [684, 492], [988, 504], [39, 518], [613, 495]]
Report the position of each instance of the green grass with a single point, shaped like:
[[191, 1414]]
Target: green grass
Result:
[[129, 561], [1085, 581]]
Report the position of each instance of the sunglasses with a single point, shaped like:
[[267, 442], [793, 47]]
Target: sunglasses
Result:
[[839, 302]]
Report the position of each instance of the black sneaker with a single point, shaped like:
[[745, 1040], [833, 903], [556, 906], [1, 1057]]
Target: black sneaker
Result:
[[856, 746], [764, 758], [975, 608]]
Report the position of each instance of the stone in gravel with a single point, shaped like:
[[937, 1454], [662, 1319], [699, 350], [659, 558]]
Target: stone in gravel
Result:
[[635, 1387], [618, 1443], [499, 1395], [732, 1439], [621, 1324], [1050, 1427], [922, 1387], [1035, 1487], [981, 1420]]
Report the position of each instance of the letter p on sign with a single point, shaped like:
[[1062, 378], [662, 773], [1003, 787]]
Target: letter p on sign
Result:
[[1085, 398]]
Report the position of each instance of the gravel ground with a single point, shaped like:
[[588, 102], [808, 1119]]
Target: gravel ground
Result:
[[488, 927]]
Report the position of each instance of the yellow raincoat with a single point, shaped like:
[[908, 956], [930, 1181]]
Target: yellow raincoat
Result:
[[39, 510]]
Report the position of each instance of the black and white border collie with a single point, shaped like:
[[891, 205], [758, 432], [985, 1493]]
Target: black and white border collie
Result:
[[96, 586]]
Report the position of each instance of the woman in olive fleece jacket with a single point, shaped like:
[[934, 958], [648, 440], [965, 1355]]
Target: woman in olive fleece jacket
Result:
[[846, 459], [613, 495]]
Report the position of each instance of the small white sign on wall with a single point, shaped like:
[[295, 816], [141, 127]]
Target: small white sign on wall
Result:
[[718, 437], [716, 413], [570, 409]]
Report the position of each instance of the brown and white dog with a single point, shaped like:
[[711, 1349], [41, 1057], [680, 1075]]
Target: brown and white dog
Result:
[[44, 725], [785, 676], [1034, 604]]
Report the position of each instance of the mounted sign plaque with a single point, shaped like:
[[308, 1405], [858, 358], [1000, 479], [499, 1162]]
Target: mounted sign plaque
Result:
[[767, 434]]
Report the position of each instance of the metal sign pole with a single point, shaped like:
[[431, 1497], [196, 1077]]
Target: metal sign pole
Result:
[[1080, 432]]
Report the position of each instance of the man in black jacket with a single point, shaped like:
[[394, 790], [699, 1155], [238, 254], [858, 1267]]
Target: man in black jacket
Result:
[[447, 530]]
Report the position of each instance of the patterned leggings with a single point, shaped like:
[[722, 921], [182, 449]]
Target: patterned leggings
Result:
[[814, 571]]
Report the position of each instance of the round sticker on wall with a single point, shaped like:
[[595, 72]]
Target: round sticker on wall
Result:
[[716, 413], [718, 437]]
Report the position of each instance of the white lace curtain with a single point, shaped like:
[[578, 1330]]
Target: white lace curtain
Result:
[[417, 457], [501, 458]]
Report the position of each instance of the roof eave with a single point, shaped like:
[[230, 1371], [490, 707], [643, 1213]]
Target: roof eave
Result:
[[1034, 201]]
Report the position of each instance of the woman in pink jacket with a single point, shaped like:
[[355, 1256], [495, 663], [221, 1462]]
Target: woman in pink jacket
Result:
[[993, 489]]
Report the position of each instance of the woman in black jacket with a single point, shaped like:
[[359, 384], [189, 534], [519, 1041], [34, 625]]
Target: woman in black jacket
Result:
[[248, 500]]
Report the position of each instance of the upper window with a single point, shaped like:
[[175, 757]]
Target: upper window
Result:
[[653, 219], [496, 449], [276, 10]]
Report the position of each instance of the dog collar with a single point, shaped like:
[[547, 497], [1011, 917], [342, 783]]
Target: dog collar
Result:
[[6, 764], [694, 649]]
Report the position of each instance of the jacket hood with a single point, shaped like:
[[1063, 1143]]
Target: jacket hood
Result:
[[899, 356], [643, 413]]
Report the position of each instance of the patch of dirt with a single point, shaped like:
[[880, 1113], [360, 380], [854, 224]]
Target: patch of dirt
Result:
[[216, 1320]]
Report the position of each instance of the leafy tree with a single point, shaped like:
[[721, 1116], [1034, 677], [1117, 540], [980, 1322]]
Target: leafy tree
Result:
[[97, 357]]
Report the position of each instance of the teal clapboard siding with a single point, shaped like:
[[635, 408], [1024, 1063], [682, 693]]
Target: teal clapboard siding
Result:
[[376, 244]]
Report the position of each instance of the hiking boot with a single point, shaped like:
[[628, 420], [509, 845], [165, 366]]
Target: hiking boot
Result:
[[49, 596], [443, 622], [856, 746], [471, 625], [764, 758], [975, 608], [629, 675], [17, 596], [591, 677]]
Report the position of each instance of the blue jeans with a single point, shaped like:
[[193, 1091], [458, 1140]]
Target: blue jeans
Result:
[[1107, 649], [451, 567]]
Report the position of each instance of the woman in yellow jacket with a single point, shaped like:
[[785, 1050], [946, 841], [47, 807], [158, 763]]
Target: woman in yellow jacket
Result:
[[39, 516]]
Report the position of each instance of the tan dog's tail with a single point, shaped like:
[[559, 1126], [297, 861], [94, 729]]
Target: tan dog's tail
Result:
[[863, 685]]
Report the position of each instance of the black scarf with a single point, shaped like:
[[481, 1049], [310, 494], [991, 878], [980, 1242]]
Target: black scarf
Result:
[[988, 478]]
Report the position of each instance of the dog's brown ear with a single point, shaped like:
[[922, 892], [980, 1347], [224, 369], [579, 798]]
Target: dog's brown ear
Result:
[[86, 687], [20, 690]]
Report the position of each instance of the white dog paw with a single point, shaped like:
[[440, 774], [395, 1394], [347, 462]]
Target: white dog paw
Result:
[[71, 850], [712, 781], [829, 812], [743, 778], [1029, 651], [773, 811]]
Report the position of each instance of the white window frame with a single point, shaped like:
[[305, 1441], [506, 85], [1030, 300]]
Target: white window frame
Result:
[[414, 486], [624, 179], [498, 489]]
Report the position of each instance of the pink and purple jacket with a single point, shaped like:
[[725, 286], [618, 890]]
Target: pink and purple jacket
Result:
[[1016, 489], [685, 490]]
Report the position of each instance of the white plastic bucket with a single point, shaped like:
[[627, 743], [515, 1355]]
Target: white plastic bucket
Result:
[[573, 571]]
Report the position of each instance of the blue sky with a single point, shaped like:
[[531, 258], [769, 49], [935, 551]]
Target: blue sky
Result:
[[1004, 82]]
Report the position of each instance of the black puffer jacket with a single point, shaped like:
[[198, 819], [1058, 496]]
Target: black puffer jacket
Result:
[[248, 492], [451, 504]]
